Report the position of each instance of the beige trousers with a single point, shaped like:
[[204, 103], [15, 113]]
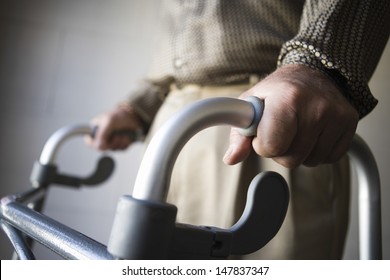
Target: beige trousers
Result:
[[208, 192]]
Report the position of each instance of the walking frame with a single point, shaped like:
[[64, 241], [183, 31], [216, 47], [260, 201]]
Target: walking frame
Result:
[[145, 225]]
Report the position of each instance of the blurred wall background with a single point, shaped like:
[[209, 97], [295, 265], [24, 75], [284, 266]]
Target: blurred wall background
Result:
[[63, 62]]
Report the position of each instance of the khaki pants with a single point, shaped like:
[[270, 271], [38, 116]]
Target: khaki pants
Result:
[[208, 192]]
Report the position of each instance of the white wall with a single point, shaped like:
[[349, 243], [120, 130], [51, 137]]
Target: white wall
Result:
[[63, 62]]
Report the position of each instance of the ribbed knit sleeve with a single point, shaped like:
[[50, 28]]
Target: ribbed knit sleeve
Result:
[[344, 39]]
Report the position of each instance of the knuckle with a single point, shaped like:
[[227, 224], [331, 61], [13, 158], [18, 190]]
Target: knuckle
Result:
[[101, 146], [288, 161], [270, 149]]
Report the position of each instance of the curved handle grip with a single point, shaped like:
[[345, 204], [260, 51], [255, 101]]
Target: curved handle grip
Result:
[[52, 145], [45, 170], [154, 174]]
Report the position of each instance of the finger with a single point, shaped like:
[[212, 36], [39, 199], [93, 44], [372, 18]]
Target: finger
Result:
[[320, 152], [119, 142], [239, 148], [100, 140], [88, 140], [115, 143], [305, 142], [334, 142], [326, 142], [299, 150], [341, 147], [276, 131]]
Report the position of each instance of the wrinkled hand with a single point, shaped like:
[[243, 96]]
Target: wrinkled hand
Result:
[[306, 120], [108, 135]]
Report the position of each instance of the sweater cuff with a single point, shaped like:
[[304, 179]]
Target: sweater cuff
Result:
[[357, 92]]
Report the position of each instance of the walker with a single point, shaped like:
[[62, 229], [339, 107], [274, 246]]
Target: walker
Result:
[[144, 225]]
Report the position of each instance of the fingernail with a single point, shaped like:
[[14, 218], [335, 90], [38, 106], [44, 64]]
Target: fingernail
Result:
[[228, 153]]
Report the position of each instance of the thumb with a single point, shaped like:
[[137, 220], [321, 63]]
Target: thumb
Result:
[[239, 148]]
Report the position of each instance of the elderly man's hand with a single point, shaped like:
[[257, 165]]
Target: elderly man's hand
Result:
[[306, 120], [111, 128]]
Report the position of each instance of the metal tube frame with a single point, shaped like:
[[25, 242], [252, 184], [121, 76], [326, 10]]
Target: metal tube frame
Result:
[[154, 174], [61, 239], [369, 200]]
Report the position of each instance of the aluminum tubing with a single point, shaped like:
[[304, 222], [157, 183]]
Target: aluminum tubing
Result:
[[50, 150], [59, 238], [156, 167], [369, 205]]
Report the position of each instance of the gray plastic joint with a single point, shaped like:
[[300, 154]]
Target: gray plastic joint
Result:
[[43, 174], [258, 108], [142, 229]]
